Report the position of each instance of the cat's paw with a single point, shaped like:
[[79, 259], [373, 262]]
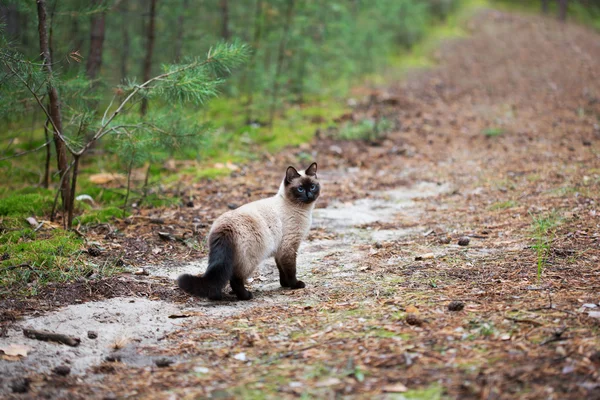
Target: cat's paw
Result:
[[298, 285], [244, 296], [215, 296]]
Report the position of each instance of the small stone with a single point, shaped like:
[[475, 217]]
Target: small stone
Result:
[[456, 305], [163, 362], [92, 334], [62, 370], [166, 236], [445, 240], [464, 241], [113, 358], [20, 385], [141, 271], [595, 357], [412, 319], [426, 256], [94, 251]]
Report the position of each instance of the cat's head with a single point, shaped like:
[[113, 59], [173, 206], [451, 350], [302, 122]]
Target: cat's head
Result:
[[301, 187]]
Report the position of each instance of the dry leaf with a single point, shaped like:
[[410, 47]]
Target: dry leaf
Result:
[[104, 178], [412, 309], [15, 350], [329, 382], [32, 221], [395, 388]]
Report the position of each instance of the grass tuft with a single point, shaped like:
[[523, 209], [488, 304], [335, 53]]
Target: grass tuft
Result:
[[543, 230]]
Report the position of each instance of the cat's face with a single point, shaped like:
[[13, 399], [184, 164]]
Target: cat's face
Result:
[[302, 188]]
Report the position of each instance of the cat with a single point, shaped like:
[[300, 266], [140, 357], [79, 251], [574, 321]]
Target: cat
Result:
[[239, 240]]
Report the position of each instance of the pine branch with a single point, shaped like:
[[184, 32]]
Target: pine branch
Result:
[[39, 101], [230, 54], [27, 152]]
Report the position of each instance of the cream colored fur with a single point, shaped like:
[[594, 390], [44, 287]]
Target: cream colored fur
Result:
[[265, 228]]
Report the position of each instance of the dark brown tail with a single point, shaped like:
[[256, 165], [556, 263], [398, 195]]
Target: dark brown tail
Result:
[[218, 273]]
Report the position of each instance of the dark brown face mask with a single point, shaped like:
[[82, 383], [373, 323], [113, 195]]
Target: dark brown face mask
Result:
[[302, 189]]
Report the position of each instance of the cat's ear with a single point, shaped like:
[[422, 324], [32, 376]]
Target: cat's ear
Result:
[[291, 174], [312, 170]]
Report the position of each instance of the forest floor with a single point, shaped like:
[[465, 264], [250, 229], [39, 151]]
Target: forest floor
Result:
[[500, 144]]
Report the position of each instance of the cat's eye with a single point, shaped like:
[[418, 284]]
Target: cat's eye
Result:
[[312, 188], [300, 189]]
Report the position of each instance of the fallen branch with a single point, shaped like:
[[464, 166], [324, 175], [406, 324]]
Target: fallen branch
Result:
[[525, 321], [51, 336]]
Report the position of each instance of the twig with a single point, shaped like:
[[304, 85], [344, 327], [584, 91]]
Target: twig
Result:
[[51, 336], [27, 151], [551, 308], [525, 321]]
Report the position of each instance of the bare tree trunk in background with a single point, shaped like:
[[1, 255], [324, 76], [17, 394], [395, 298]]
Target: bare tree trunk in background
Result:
[[76, 34], [562, 9], [251, 64], [225, 33], [545, 6], [150, 37], [180, 31], [94, 61], [54, 110], [280, 59], [10, 16], [123, 10], [46, 179]]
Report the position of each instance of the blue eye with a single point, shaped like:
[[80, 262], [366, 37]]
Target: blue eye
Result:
[[300, 189], [312, 188]]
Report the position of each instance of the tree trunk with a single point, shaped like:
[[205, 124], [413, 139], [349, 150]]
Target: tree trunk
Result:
[[10, 15], [280, 59], [54, 110], [180, 31], [46, 179], [225, 33], [150, 35], [124, 55], [545, 6], [94, 61], [562, 10], [252, 63]]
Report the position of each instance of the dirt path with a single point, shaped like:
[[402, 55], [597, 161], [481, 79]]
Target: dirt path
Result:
[[500, 144]]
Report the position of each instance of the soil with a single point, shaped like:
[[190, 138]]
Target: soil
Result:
[[497, 148]]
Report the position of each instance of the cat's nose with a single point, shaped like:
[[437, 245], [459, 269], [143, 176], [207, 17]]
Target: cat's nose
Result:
[[311, 195]]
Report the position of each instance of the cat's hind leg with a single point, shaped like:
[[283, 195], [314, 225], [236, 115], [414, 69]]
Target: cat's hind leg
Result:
[[237, 285]]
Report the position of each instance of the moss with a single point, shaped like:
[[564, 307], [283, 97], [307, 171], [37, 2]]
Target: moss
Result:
[[211, 173], [503, 205], [39, 258], [493, 132], [100, 216], [433, 392], [26, 203]]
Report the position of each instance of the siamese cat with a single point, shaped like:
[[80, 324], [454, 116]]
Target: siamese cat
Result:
[[241, 239]]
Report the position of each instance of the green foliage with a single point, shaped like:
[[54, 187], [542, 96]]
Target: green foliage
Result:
[[503, 205], [103, 215], [582, 11], [366, 129], [543, 231], [34, 259], [26, 203], [493, 132]]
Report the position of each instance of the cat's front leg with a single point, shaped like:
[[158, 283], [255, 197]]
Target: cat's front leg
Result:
[[286, 264]]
